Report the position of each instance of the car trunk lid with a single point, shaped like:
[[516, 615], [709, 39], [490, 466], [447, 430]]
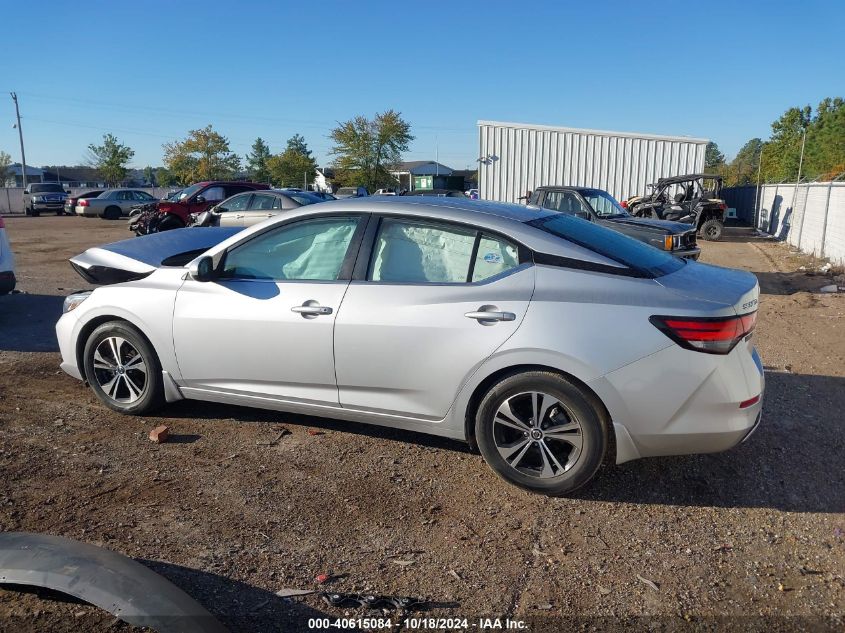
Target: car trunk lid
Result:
[[735, 290]]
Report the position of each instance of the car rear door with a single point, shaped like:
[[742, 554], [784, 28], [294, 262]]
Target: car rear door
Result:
[[428, 305], [261, 207], [231, 211]]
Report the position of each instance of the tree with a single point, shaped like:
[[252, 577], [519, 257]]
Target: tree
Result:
[[294, 166], [5, 162], [256, 161], [110, 159], [366, 150], [203, 155], [297, 144], [742, 170], [782, 153], [150, 175], [712, 156], [165, 177]]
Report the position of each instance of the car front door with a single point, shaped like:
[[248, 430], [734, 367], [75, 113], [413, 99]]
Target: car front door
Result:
[[261, 207], [429, 305], [263, 328], [230, 212]]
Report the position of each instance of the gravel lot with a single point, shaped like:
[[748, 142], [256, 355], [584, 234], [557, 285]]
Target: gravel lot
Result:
[[750, 538]]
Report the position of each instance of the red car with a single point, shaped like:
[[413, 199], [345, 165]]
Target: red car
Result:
[[197, 198]]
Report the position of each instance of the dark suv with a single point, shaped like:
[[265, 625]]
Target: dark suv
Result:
[[44, 196], [197, 198], [596, 205]]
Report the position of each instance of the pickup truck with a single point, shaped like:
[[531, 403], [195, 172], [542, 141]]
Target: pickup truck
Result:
[[44, 196], [596, 205]]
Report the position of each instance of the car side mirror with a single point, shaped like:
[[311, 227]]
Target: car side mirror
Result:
[[202, 269], [199, 199], [584, 215]]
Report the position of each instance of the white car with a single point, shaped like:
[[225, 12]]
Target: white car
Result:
[[549, 342], [7, 262]]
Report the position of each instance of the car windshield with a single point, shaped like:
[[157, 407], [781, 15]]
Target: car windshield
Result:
[[187, 193], [609, 243], [603, 203], [47, 188]]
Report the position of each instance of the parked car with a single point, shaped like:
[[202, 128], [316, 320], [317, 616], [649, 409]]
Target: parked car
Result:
[[351, 192], [550, 343], [388, 191], [596, 205], [471, 193], [252, 207], [44, 196], [71, 201], [325, 195], [112, 204], [7, 262], [197, 198], [691, 198]]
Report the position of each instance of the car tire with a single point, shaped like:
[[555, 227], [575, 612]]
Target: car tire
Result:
[[111, 213], [711, 230], [122, 383], [170, 222], [555, 457]]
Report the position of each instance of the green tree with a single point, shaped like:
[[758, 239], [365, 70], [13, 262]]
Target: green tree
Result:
[[166, 178], [150, 175], [110, 159], [366, 150], [256, 161], [712, 156], [825, 151], [203, 155], [294, 166], [742, 170], [781, 154], [5, 162], [297, 143]]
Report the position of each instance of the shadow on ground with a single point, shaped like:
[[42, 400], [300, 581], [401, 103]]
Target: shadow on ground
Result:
[[28, 322], [790, 283]]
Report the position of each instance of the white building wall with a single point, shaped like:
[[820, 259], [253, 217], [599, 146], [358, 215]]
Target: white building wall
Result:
[[515, 158]]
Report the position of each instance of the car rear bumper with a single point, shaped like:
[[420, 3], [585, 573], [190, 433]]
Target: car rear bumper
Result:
[[92, 211], [679, 402]]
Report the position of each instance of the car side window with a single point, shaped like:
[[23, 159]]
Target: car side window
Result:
[[563, 202], [125, 195], [495, 255], [231, 190], [310, 250], [263, 202], [236, 203], [410, 251], [143, 195], [213, 194]]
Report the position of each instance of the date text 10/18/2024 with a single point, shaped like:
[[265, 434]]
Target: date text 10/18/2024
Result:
[[430, 624]]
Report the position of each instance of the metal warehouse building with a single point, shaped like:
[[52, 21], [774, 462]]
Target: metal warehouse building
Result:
[[515, 158]]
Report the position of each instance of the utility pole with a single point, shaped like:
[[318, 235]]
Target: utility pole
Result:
[[20, 134]]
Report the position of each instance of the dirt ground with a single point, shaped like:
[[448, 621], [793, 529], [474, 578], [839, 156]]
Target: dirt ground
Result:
[[754, 537]]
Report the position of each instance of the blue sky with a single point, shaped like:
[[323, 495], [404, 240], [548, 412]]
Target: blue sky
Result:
[[150, 71]]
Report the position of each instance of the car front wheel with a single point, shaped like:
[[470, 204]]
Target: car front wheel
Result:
[[123, 369], [541, 432]]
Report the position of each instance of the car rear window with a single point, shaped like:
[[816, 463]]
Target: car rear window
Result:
[[620, 248]]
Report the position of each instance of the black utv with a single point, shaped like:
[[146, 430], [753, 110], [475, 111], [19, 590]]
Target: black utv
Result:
[[691, 198]]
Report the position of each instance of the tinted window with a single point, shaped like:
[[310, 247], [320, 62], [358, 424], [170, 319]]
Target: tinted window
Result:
[[613, 245], [563, 202], [308, 250], [416, 252], [494, 256], [215, 194], [47, 188], [602, 202]]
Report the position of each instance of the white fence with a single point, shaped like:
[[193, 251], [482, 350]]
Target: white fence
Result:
[[11, 198], [810, 217]]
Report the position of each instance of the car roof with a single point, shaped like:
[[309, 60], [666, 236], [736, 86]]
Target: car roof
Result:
[[686, 177]]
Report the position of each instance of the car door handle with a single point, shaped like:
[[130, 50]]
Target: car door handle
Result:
[[239, 217], [483, 315], [311, 309]]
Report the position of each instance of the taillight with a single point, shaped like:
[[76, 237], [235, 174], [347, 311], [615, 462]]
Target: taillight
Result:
[[711, 335], [83, 203], [624, 204]]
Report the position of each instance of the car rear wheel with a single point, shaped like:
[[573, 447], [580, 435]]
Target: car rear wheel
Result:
[[711, 229], [123, 369], [111, 213], [541, 432]]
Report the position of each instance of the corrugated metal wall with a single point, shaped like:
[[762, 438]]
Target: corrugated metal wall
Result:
[[516, 158]]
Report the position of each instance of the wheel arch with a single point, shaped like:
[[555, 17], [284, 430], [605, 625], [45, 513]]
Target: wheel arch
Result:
[[93, 324], [482, 387]]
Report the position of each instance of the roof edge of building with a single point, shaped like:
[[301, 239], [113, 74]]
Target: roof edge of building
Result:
[[554, 128]]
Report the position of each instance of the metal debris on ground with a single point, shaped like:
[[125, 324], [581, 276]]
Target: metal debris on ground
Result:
[[160, 434], [315, 432], [650, 583], [273, 442], [290, 593]]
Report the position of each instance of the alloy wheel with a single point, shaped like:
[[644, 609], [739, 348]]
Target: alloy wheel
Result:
[[120, 369], [537, 435]]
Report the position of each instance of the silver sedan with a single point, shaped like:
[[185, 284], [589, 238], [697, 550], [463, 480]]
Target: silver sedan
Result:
[[551, 344], [113, 203]]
